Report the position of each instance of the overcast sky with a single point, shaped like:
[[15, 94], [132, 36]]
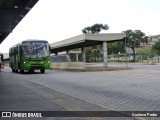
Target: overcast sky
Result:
[[56, 20]]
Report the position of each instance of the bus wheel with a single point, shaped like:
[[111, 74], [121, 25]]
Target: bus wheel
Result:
[[42, 70], [13, 70], [31, 71], [16, 71], [21, 71]]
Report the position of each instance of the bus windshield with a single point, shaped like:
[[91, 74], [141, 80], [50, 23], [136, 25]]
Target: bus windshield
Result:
[[35, 49]]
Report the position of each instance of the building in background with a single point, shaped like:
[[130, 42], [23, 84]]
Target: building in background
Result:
[[152, 39]]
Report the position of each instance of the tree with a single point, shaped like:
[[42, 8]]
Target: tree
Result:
[[134, 38], [96, 28], [156, 48], [145, 40], [116, 47], [145, 53]]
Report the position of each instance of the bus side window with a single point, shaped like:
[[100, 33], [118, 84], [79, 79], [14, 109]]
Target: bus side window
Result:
[[49, 48], [10, 52], [16, 50], [20, 49]]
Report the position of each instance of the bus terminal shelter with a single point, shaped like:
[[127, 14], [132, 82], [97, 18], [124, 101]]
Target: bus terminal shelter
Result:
[[82, 41]]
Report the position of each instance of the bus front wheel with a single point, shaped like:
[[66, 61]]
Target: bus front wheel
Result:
[[42, 70], [31, 71]]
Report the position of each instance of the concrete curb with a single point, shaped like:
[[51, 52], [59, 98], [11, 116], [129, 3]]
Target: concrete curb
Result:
[[95, 69]]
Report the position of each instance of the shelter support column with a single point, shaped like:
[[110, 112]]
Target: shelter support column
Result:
[[67, 52], [83, 57], [83, 54], [105, 59], [76, 57]]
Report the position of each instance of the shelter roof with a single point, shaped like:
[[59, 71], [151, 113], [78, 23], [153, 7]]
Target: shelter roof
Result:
[[11, 13], [85, 40]]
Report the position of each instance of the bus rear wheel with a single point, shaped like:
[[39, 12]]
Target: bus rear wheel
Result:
[[13, 70], [42, 70]]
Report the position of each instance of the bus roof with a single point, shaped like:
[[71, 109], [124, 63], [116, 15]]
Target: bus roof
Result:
[[33, 40], [28, 40]]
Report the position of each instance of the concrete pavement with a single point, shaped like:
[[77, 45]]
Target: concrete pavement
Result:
[[17, 94]]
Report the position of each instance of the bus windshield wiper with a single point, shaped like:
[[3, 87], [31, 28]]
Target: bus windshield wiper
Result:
[[42, 56]]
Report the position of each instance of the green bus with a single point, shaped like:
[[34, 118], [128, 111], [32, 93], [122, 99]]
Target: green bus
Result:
[[30, 55]]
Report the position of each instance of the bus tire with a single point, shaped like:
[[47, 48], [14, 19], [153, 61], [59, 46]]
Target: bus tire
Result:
[[13, 70], [31, 71], [22, 71], [42, 70], [16, 71]]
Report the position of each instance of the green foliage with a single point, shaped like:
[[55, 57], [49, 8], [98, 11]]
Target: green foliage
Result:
[[134, 38], [144, 40], [94, 53], [116, 47], [96, 28], [156, 47], [145, 53]]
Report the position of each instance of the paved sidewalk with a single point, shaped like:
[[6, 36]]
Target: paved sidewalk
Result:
[[16, 96]]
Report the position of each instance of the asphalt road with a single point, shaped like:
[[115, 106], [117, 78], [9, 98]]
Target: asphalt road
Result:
[[136, 89]]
